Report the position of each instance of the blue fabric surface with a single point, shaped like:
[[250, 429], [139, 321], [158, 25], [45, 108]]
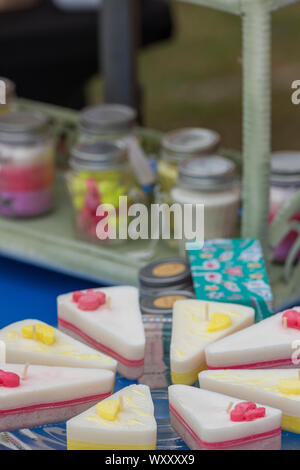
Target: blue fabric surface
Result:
[[30, 292]]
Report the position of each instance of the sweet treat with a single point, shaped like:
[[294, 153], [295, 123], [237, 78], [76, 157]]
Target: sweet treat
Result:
[[279, 388], [35, 342], [125, 421], [207, 420], [195, 325], [267, 344], [37, 395], [110, 321]]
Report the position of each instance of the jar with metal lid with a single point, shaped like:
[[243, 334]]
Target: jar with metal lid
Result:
[[285, 180], [99, 175], [107, 122], [26, 164], [164, 275], [180, 145], [210, 181], [8, 89]]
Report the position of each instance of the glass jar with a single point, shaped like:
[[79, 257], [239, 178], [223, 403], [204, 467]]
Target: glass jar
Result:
[[107, 122], [285, 180], [210, 181], [100, 174], [180, 145], [26, 164], [9, 91]]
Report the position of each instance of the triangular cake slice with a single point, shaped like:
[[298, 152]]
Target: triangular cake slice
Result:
[[208, 420], [197, 323], [108, 320], [279, 388], [37, 395], [124, 421], [35, 342], [266, 344]]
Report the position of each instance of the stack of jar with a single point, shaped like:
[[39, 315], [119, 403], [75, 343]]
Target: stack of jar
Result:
[[100, 171], [181, 145], [161, 284], [26, 164]]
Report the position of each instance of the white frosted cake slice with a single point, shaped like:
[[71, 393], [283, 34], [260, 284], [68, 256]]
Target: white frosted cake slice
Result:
[[279, 388], [108, 320], [35, 342], [197, 323], [37, 395], [266, 344], [210, 421], [124, 421]]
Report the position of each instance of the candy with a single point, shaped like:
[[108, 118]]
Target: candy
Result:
[[40, 332], [76, 295], [9, 379], [89, 302], [108, 409], [247, 411], [45, 334], [291, 319], [218, 322]]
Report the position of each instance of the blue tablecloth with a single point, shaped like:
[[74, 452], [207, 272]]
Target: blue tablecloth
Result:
[[30, 292]]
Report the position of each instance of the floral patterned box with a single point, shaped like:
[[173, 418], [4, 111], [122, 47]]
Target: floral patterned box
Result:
[[233, 271]]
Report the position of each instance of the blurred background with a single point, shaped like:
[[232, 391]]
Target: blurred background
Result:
[[190, 76]]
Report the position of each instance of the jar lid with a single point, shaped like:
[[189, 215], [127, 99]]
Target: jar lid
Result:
[[100, 155], [22, 126], [285, 168], [108, 119], [162, 304], [189, 142], [207, 173], [165, 273]]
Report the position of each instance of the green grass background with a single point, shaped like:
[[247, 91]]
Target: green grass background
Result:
[[195, 78]]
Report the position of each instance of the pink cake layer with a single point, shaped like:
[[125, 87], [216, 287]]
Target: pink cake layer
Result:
[[277, 363], [245, 443], [45, 413], [101, 347]]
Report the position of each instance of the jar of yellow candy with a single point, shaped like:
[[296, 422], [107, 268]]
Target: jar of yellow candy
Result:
[[99, 175]]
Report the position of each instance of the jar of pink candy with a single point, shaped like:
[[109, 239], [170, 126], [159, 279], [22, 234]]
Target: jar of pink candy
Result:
[[285, 180], [26, 164], [99, 175]]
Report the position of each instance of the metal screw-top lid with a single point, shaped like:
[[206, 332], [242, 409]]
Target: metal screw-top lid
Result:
[[285, 168], [207, 173], [165, 273], [162, 303], [108, 119], [100, 155], [190, 142], [23, 126]]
